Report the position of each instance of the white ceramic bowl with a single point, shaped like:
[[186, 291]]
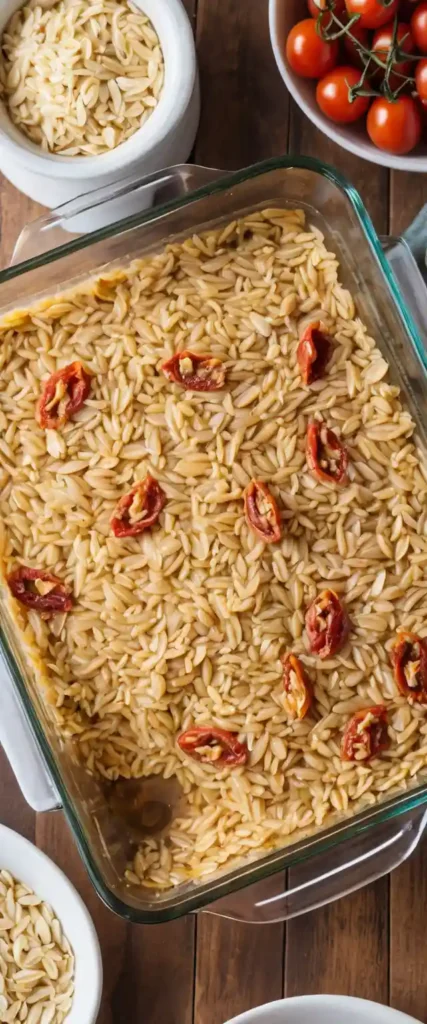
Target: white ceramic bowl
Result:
[[323, 1010], [28, 864], [283, 14], [165, 138]]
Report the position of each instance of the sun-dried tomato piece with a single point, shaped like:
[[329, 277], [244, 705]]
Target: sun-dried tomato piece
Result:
[[40, 590], [409, 656], [313, 353], [326, 456], [213, 746], [63, 395], [297, 686], [366, 734], [139, 509], [262, 512], [327, 624], [194, 372]]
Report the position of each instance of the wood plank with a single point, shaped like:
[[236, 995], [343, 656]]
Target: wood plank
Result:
[[14, 811], [244, 108], [16, 210], [341, 948], [408, 193], [136, 959], [238, 966], [408, 899]]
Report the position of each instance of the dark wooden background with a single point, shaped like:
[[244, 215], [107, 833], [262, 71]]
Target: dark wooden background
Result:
[[373, 944]]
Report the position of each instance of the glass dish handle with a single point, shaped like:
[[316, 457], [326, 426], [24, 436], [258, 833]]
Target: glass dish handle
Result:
[[109, 205], [338, 872]]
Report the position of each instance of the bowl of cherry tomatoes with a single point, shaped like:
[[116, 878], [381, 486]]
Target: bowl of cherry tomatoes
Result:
[[358, 69]]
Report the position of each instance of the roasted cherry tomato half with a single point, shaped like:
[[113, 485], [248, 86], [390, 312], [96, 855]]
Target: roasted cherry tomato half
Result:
[[313, 352], [372, 13], [327, 458], [327, 624], [62, 396], [394, 125], [297, 686], [419, 26], [195, 373], [139, 509], [333, 95], [262, 512], [365, 735], [409, 656], [307, 53], [213, 746], [40, 591]]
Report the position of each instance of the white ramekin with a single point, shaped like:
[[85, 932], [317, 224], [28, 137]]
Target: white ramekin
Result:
[[323, 1009], [28, 864], [166, 138], [351, 137]]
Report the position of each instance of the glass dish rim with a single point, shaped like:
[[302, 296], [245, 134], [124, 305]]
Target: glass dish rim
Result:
[[277, 860]]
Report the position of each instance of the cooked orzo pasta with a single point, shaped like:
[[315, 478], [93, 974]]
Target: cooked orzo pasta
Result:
[[185, 624]]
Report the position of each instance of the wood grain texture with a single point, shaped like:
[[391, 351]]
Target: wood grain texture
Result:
[[408, 900], [341, 948], [238, 966], [408, 193], [244, 105]]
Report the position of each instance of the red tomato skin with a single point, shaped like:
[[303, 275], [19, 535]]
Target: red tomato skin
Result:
[[394, 126], [381, 45], [333, 99], [372, 13], [308, 54], [316, 7], [419, 26], [362, 35], [421, 80]]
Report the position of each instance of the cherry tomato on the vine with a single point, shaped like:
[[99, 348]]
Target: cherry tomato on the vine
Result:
[[362, 36], [421, 80], [419, 26], [308, 54], [394, 125], [382, 44], [334, 97], [373, 13], [317, 6]]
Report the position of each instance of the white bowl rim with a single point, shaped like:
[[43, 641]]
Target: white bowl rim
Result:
[[365, 150], [33, 855], [379, 1014], [170, 20]]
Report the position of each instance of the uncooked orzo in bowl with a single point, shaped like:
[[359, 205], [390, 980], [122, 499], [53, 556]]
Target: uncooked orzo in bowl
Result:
[[184, 625], [79, 77]]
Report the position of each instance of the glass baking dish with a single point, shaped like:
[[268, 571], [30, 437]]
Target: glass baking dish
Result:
[[127, 222]]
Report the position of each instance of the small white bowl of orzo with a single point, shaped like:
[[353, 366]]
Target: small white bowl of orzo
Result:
[[92, 91], [50, 948]]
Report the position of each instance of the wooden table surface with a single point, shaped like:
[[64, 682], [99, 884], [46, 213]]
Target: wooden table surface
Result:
[[204, 970]]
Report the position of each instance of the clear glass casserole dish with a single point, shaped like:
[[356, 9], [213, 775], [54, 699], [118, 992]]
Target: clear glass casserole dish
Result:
[[53, 255]]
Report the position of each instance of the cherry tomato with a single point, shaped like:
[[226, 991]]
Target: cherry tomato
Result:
[[394, 125], [308, 54], [365, 734], [213, 746], [362, 35], [298, 688], [409, 657], [421, 80], [419, 26], [40, 591], [317, 6], [327, 458], [327, 624], [315, 347], [333, 95], [382, 44], [139, 509], [194, 372], [373, 13], [262, 512]]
